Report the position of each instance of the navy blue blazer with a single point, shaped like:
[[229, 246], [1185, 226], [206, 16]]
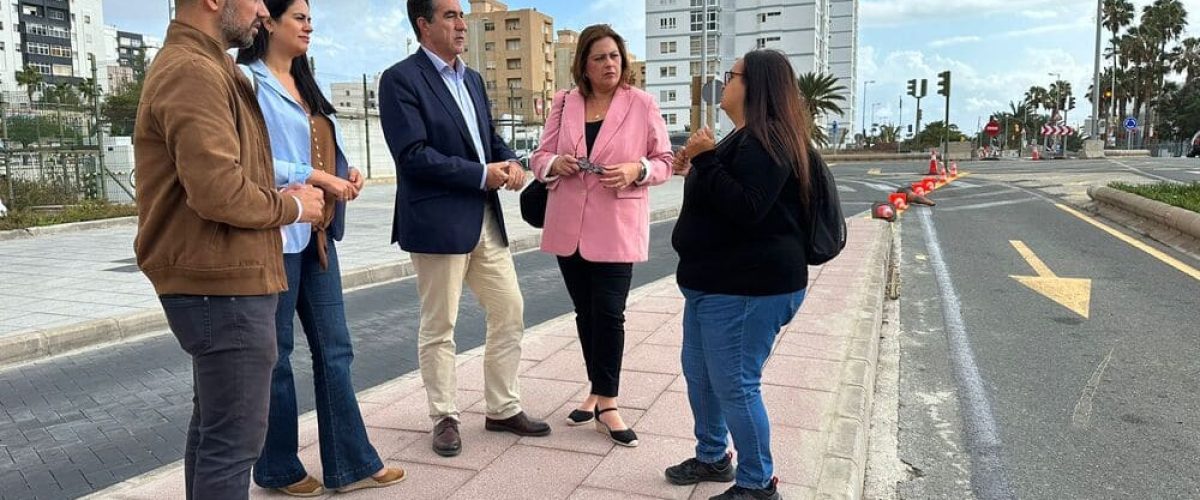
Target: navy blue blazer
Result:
[[439, 205]]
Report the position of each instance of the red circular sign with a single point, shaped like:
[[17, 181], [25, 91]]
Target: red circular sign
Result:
[[992, 128]]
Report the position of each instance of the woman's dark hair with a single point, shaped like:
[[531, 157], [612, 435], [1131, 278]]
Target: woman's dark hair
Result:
[[589, 37], [306, 83], [775, 113]]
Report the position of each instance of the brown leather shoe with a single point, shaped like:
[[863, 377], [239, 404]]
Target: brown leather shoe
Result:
[[307, 487], [391, 475], [446, 441], [519, 424]]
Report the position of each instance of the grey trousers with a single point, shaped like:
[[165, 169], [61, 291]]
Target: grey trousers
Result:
[[232, 344]]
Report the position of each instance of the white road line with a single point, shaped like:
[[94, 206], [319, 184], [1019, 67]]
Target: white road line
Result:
[[991, 204], [964, 185], [1143, 173], [988, 478], [842, 188], [876, 186], [1083, 408]]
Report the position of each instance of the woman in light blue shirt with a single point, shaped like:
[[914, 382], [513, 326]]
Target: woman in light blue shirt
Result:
[[306, 146]]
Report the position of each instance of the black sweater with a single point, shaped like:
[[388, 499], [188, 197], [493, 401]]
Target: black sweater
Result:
[[738, 231]]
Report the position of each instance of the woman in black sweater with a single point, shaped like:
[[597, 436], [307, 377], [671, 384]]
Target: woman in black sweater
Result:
[[742, 267]]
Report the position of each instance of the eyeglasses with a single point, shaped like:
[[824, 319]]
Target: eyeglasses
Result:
[[730, 74]]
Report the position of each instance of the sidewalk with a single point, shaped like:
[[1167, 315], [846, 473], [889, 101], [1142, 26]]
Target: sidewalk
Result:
[[73, 289], [818, 385]]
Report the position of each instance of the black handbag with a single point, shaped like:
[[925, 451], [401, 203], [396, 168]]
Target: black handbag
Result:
[[535, 195], [533, 203], [827, 232]]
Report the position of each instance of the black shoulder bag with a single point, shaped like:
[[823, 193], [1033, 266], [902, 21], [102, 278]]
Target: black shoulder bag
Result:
[[827, 231], [535, 195]]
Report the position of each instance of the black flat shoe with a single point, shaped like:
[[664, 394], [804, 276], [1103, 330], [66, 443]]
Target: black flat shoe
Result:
[[623, 437], [580, 417]]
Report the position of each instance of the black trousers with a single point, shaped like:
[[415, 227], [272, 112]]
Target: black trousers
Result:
[[232, 344], [599, 291]]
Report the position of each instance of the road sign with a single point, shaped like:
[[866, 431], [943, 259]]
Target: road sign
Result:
[[992, 128], [1055, 130], [537, 105], [711, 92], [1131, 123]]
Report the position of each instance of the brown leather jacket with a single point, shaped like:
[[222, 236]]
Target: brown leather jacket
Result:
[[208, 211]]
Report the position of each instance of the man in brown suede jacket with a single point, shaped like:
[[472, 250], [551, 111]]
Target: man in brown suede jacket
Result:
[[208, 233]]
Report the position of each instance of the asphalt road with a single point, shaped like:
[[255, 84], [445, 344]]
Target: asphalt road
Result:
[[1005, 393]]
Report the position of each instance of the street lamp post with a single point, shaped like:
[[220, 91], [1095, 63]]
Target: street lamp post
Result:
[[864, 106], [1095, 132]]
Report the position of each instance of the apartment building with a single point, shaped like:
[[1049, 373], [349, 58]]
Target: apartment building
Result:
[[514, 51], [564, 57], [675, 42], [53, 37]]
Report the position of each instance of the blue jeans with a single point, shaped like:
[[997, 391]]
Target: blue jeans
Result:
[[346, 453], [726, 341]]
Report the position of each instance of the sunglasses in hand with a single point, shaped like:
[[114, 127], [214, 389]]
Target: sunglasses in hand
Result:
[[587, 166]]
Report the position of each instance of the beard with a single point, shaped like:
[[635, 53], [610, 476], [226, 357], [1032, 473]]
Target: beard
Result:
[[236, 36]]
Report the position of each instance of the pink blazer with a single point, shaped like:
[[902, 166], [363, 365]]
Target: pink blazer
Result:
[[603, 224]]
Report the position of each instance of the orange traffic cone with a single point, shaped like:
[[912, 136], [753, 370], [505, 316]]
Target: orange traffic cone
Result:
[[884, 211], [929, 183], [1036, 154], [933, 165], [899, 200], [953, 169]]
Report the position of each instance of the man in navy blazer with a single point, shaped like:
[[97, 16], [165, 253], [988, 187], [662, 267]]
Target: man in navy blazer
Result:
[[449, 165]]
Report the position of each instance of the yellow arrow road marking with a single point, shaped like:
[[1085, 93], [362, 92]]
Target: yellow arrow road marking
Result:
[[1072, 293]]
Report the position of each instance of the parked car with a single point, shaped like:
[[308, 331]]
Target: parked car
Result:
[[678, 140], [1195, 150]]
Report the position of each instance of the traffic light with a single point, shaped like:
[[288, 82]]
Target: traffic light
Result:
[[944, 83], [1108, 94], [1071, 104], [912, 87]]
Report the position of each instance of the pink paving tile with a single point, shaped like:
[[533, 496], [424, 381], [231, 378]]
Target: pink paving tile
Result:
[[390, 392], [168, 485], [806, 373], [470, 374], [424, 482], [566, 364], [540, 347], [679, 385], [634, 338], [563, 326], [794, 407], [812, 346], [642, 389], [586, 493], [668, 305], [583, 438], [671, 333], [412, 412], [530, 472], [788, 491], [479, 447], [654, 358], [797, 455], [669, 416], [539, 397], [640, 470], [645, 321]]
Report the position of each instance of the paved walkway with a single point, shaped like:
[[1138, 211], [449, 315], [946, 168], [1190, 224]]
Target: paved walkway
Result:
[[817, 385], [74, 289]]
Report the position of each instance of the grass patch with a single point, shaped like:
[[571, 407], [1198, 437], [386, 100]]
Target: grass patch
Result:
[[1185, 196], [91, 210]]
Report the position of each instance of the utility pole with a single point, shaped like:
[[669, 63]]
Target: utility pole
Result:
[[1096, 77], [367, 123], [512, 114], [704, 108], [99, 131]]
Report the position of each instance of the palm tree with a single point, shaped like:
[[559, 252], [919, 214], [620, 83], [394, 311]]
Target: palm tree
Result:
[[89, 90], [888, 133], [1036, 97], [1059, 95], [823, 94], [30, 79], [1187, 58], [1163, 22]]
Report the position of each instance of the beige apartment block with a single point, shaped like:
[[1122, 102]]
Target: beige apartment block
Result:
[[564, 57], [514, 52]]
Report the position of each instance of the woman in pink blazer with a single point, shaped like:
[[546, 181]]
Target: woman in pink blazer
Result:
[[604, 145]]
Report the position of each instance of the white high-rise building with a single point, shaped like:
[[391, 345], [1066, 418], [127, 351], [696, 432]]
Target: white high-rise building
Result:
[[801, 29], [843, 60], [54, 37]]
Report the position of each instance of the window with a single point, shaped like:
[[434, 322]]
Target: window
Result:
[[700, 3], [668, 47], [669, 118], [42, 68], [31, 10], [666, 71], [763, 43], [491, 84], [512, 24], [514, 83], [50, 31], [694, 42], [57, 15], [513, 64], [512, 44], [490, 46], [694, 68], [666, 23], [63, 70], [666, 96], [489, 26], [767, 16], [697, 20], [87, 19], [516, 103]]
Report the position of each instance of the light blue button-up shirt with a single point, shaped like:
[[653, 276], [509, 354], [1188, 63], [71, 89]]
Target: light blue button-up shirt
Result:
[[291, 143], [454, 78]]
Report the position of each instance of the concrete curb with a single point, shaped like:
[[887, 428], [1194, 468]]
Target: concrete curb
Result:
[[1123, 153], [33, 232], [39, 344], [1171, 225], [844, 461]]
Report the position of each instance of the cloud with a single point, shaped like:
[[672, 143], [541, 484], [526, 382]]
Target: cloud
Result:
[[955, 40], [897, 12]]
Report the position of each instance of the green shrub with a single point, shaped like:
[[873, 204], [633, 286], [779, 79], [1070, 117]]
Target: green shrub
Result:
[[90, 210], [1186, 196]]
